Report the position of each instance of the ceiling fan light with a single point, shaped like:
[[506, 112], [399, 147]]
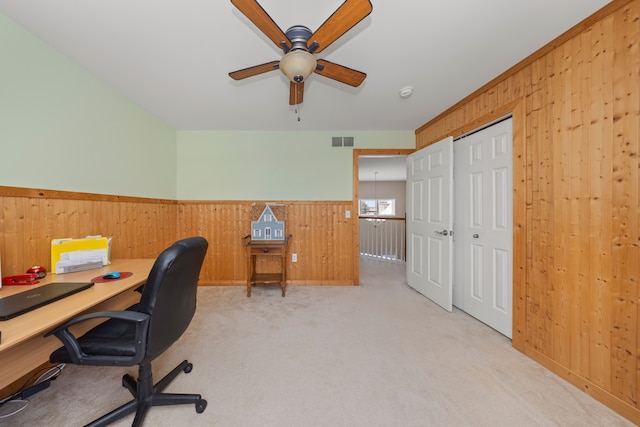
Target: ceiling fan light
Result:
[[297, 65]]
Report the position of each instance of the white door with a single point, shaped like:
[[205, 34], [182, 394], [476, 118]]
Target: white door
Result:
[[483, 226], [429, 221]]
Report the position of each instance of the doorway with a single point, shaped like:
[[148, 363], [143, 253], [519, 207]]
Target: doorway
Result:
[[381, 206], [372, 154]]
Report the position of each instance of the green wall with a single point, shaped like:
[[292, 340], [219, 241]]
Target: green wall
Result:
[[218, 165], [62, 128]]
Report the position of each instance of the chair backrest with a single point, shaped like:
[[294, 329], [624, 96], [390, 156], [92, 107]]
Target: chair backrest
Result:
[[169, 295]]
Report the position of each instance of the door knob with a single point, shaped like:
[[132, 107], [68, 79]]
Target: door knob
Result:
[[475, 236], [443, 233]]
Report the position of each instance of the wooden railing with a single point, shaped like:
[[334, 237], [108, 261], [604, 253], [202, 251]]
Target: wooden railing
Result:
[[383, 237]]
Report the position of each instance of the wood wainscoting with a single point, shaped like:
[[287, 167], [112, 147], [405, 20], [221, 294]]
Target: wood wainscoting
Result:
[[323, 237], [31, 218], [576, 134]]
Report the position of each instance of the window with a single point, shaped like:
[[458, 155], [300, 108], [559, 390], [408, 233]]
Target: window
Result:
[[377, 207], [267, 218], [267, 233], [278, 233], [256, 233]]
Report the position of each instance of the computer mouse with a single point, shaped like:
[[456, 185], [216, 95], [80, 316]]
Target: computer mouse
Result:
[[111, 275]]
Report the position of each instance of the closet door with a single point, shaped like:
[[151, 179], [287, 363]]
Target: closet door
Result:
[[483, 226], [429, 221]]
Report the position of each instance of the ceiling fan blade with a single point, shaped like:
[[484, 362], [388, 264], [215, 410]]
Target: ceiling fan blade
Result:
[[261, 19], [341, 73], [342, 20], [254, 71], [295, 93]]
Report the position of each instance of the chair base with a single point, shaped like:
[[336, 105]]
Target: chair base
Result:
[[147, 395]]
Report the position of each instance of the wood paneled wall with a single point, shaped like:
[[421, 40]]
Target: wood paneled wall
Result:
[[141, 228], [322, 238], [30, 219], [576, 109]]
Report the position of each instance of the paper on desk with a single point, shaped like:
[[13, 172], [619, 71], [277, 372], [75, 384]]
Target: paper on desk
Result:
[[67, 254], [91, 255], [78, 262]]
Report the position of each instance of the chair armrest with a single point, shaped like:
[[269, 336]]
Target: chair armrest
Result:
[[79, 357]]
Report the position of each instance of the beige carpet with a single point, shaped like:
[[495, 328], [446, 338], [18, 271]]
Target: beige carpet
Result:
[[379, 354]]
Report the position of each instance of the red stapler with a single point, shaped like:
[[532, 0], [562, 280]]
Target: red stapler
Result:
[[22, 279]]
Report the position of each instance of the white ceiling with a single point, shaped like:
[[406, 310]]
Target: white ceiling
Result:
[[173, 57]]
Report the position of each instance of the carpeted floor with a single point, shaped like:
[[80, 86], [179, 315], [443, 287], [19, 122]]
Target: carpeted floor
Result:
[[378, 354]]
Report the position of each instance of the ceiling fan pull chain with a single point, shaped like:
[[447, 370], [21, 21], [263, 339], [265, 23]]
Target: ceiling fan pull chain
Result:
[[297, 105]]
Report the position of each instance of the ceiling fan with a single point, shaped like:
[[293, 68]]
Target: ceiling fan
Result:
[[299, 44]]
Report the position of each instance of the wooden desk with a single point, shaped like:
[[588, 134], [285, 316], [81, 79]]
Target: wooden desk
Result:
[[23, 347], [255, 248]]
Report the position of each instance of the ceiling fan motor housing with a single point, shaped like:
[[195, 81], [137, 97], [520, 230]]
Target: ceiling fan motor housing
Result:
[[298, 35]]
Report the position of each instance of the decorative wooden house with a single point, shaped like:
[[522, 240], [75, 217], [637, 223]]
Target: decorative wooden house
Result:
[[268, 223]]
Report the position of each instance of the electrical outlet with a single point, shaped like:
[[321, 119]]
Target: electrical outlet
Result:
[[294, 257], [347, 213]]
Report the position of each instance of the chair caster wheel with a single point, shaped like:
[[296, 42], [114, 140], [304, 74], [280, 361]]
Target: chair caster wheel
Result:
[[188, 368], [201, 405]]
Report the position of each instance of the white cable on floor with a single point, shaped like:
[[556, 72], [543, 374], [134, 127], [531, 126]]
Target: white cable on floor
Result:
[[50, 374], [15, 411]]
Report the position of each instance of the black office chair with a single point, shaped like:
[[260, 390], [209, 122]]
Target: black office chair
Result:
[[144, 331]]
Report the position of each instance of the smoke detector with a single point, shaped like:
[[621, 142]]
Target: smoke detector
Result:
[[406, 92]]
